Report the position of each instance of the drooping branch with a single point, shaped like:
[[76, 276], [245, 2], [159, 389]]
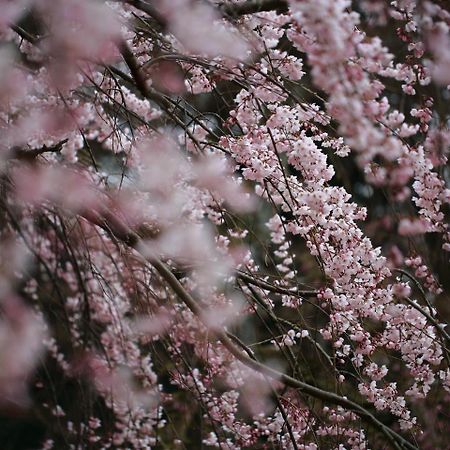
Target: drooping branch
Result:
[[107, 220]]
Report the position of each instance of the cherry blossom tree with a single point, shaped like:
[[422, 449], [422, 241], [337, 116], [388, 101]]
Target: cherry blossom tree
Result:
[[224, 224]]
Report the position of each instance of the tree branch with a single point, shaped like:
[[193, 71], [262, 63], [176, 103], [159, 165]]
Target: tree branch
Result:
[[249, 7], [147, 9], [254, 6], [29, 155], [277, 289]]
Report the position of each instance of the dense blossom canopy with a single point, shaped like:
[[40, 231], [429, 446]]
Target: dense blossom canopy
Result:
[[224, 224]]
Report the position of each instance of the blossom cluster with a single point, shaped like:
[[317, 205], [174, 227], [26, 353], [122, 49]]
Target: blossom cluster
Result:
[[224, 224]]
